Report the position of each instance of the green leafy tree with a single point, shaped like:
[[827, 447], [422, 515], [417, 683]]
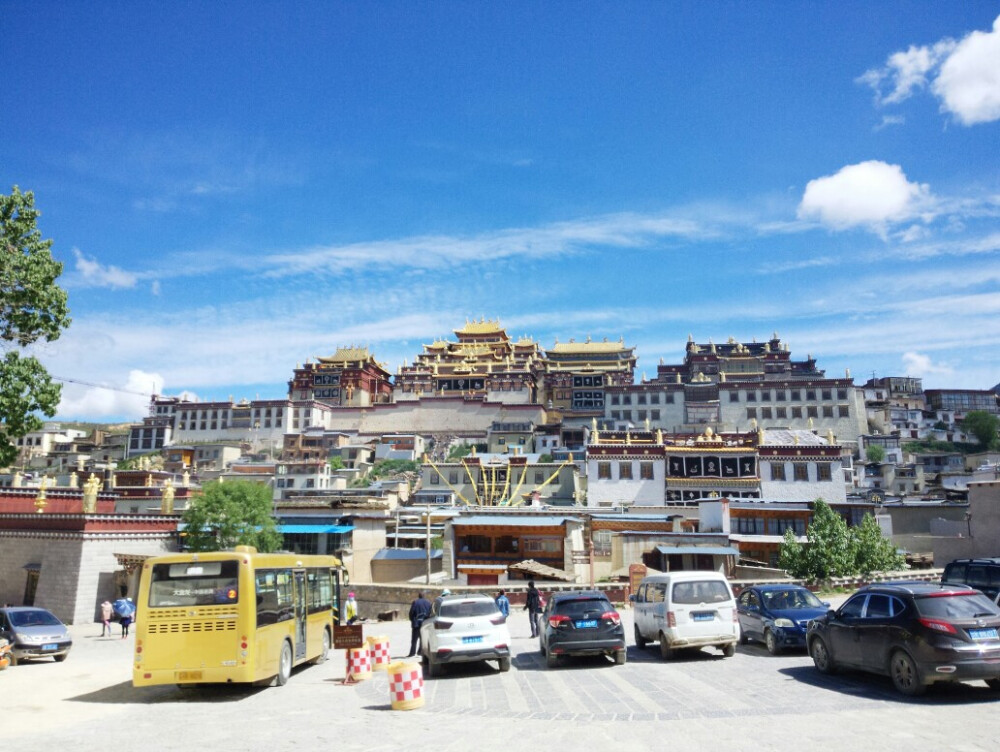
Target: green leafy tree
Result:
[[983, 426], [542, 459], [829, 550], [231, 514], [32, 309], [458, 451], [875, 453], [336, 462], [873, 551], [832, 549]]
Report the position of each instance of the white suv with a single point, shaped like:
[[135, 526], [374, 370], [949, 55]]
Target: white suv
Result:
[[686, 610], [462, 629]]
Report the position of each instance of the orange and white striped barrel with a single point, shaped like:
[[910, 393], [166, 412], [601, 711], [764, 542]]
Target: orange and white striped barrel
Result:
[[406, 685], [379, 649], [359, 664]]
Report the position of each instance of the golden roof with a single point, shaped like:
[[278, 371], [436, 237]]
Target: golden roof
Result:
[[483, 326], [588, 347], [345, 354]]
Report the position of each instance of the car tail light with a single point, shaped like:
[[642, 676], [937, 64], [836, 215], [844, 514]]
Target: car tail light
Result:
[[498, 620], [613, 617], [558, 620], [671, 619], [438, 624], [938, 626]]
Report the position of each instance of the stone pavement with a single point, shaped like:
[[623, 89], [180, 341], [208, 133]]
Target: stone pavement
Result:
[[752, 700]]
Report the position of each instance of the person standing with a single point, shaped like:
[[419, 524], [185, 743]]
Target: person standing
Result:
[[533, 604], [127, 616], [503, 603], [107, 611], [420, 609], [351, 609]]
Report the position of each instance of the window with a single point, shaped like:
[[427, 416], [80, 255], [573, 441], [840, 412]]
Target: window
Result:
[[640, 399], [734, 396], [506, 544], [781, 412], [852, 608], [615, 415], [823, 472], [796, 395], [626, 399], [765, 412], [646, 470], [878, 607], [625, 470], [779, 395], [668, 399], [827, 411], [478, 544], [843, 411], [751, 412], [777, 471], [614, 399], [765, 396], [604, 470], [827, 395], [654, 399], [751, 396], [453, 477], [812, 411], [642, 414], [796, 412], [801, 470], [841, 394], [810, 395], [539, 477]]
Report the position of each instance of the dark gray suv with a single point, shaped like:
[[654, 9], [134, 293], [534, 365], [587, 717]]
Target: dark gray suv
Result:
[[982, 574], [581, 623]]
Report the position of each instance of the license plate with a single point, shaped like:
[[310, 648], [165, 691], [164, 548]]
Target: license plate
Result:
[[185, 676], [471, 640], [983, 634], [703, 616], [51, 646], [588, 624]]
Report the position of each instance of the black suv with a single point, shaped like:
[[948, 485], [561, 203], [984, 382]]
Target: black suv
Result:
[[581, 623], [916, 632], [982, 574]]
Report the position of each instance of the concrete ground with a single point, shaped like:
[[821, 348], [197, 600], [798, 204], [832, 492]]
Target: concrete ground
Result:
[[750, 701]]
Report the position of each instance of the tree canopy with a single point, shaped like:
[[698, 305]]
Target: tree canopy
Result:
[[983, 426], [33, 308], [875, 453], [231, 514], [833, 549]]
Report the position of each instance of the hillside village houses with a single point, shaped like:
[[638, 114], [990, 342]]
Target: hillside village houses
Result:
[[553, 463]]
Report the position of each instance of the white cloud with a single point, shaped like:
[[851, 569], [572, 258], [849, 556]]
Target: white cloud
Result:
[[919, 365], [969, 81], [963, 75], [871, 194], [86, 402], [94, 274], [154, 288]]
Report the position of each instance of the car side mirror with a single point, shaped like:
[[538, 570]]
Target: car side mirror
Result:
[[826, 603], [831, 613]]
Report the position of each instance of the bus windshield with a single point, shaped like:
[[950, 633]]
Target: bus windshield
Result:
[[194, 583]]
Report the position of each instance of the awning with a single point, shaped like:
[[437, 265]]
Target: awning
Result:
[[706, 550], [530, 566], [315, 529], [33, 567]]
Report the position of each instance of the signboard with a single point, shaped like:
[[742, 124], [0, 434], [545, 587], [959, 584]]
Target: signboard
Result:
[[635, 574], [348, 636]]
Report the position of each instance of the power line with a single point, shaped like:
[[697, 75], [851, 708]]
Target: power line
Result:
[[102, 386]]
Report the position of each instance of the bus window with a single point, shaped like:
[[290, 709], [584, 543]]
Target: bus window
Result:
[[274, 596], [320, 587], [193, 584]]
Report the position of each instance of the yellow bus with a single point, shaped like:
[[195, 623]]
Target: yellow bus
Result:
[[233, 616]]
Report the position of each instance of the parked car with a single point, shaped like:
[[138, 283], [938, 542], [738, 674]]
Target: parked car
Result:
[[917, 633], [581, 623], [462, 629], [981, 574], [34, 633], [684, 610], [777, 615]]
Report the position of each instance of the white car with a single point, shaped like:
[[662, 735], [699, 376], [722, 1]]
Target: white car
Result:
[[463, 629]]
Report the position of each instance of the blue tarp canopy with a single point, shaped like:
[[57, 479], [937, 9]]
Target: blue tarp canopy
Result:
[[315, 529], [708, 550]]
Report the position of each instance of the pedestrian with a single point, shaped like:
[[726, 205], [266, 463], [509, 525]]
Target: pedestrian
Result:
[[127, 617], [437, 601], [351, 609], [107, 611], [503, 603], [420, 609], [533, 605]]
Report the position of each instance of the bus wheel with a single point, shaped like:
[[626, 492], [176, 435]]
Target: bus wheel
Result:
[[325, 653], [284, 665]]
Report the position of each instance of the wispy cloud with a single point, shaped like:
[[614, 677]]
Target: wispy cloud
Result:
[[94, 274], [963, 75]]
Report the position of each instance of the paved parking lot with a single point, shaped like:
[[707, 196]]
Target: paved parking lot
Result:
[[752, 700]]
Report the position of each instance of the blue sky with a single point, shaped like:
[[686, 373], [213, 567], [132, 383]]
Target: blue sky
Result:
[[237, 187]]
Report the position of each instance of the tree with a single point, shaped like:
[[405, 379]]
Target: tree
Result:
[[231, 514], [983, 426], [32, 308], [832, 549], [873, 551], [875, 453]]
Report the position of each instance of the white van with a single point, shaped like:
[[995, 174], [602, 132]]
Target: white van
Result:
[[683, 610]]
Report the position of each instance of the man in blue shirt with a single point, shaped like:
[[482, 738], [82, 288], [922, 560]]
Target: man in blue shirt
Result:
[[420, 609]]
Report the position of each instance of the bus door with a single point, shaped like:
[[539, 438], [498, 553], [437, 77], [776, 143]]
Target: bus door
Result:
[[300, 614]]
